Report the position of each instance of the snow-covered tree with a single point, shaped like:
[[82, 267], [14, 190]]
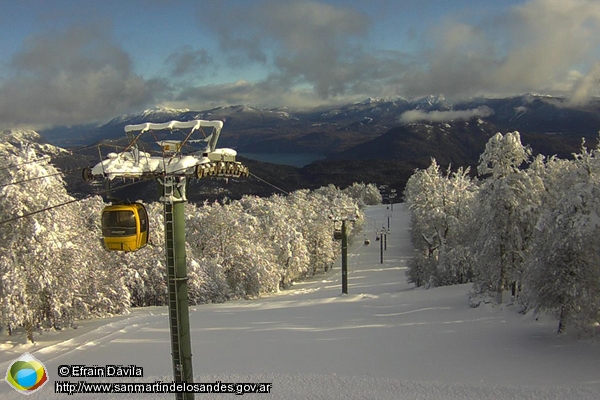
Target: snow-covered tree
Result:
[[508, 207], [233, 237], [441, 212], [283, 234], [421, 196], [313, 211], [50, 271], [364, 195], [530, 226], [146, 269], [563, 276], [456, 263]]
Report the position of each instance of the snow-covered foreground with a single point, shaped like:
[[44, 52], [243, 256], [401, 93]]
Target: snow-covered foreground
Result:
[[384, 340]]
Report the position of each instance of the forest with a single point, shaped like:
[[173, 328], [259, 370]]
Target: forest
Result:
[[524, 230], [54, 269]]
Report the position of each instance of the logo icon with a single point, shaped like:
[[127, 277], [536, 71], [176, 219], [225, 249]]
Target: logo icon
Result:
[[26, 374]]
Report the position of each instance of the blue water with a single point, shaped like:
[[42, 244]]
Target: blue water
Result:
[[294, 159]]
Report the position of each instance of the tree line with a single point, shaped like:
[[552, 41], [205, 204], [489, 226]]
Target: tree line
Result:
[[525, 230]]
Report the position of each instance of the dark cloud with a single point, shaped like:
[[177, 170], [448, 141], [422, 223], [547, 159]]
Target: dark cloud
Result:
[[318, 44], [235, 24], [187, 61], [69, 77], [305, 43]]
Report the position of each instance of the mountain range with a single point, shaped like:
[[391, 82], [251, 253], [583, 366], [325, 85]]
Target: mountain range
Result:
[[378, 140]]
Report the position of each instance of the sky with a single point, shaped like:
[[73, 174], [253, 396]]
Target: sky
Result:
[[69, 62]]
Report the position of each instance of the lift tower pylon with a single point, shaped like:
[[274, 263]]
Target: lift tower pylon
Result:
[[173, 170], [174, 197], [344, 215]]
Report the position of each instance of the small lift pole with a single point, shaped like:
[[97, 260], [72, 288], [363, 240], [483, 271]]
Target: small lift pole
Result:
[[344, 215], [344, 258]]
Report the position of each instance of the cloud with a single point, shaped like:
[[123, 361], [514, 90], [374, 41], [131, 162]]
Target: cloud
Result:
[[187, 61], [69, 77], [266, 93], [586, 86], [442, 116], [547, 46], [302, 53], [305, 44], [534, 47], [316, 44]]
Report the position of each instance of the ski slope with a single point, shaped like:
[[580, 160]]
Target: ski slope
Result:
[[384, 340]]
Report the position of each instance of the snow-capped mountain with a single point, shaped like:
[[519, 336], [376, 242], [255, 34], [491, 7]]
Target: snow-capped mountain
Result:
[[536, 113], [333, 129], [431, 103], [378, 139]]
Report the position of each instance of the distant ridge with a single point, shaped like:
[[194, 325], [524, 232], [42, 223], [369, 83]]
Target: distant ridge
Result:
[[331, 130], [371, 141]]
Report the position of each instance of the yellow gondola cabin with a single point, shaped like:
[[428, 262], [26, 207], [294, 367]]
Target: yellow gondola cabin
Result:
[[125, 227]]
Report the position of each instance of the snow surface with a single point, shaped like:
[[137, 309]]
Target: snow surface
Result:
[[384, 340]]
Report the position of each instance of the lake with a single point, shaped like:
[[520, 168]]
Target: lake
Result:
[[294, 159]]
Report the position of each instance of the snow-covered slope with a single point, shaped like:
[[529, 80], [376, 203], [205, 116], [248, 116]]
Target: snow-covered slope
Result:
[[384, 340]]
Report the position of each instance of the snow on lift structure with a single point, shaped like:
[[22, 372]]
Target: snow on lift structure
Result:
[[125, 227], [132, 163]]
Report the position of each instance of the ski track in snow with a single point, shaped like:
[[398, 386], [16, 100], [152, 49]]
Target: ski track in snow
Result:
[[384, 340]]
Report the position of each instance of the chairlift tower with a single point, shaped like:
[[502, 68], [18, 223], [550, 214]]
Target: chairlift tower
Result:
[[173, 170], [344, 215], [382, 234]]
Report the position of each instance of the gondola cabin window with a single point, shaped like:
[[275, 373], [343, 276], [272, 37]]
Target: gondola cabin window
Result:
[[143, 220], [118, 223]]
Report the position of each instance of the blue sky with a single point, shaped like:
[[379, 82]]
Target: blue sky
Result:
[[78, 61]]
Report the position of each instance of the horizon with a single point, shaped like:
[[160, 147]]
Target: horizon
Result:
[[413, 99], [63, 68], [408, 116]]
